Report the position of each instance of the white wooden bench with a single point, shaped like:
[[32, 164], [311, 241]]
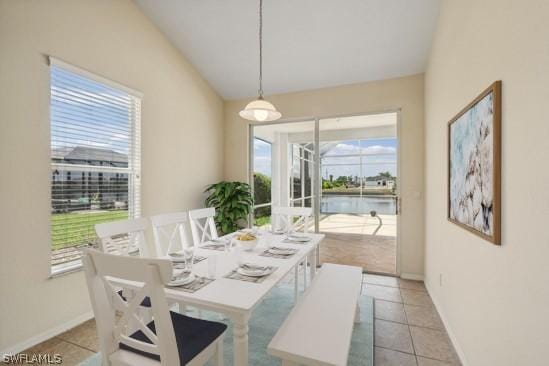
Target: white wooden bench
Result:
[[318, 330]]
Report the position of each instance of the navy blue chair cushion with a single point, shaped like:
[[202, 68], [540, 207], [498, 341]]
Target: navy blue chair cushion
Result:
[[146, 303], [192, 336]]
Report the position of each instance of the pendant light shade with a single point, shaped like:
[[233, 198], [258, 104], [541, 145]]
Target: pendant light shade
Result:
[[260, 110]]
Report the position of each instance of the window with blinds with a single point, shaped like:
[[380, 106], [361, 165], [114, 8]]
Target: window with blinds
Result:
[[95, 159]]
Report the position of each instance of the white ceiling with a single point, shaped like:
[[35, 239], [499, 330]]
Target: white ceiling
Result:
[[308, 44]]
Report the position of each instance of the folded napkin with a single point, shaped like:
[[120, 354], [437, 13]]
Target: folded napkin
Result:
[[284, 249], [253, 267]]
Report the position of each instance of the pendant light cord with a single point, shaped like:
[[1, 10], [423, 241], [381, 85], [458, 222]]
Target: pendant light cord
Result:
[[260, 49]]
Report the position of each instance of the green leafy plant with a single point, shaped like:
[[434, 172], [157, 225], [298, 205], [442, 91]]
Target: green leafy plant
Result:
[[232, 202]]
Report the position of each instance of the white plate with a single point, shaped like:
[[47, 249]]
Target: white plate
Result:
[[244, 272], [279, 231], [176, 257], [177, 272], [301, 239], [281, 251], [182, 281]]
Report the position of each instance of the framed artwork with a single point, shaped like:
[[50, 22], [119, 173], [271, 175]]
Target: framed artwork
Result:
[[474, 166]]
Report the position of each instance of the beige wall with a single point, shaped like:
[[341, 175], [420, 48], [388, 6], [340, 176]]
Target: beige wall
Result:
[[495, 299], [180, 114], [405, 93]]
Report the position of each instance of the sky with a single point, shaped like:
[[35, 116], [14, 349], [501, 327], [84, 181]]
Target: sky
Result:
[[262, 157], [380, 156], [88, 113]]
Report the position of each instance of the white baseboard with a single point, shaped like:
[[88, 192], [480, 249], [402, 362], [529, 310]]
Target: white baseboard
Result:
[[451, 334], [50, 333], [411, 276]]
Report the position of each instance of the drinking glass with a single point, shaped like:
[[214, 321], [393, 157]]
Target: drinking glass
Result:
[[237, 254], [267, 240], [289, 231], [227, 243], [212, 264], [256, 231], [188, 253]]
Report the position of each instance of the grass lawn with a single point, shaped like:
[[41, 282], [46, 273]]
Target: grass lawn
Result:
[[261, 221], [76, 228]]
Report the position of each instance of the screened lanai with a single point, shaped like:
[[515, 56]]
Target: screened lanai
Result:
[[353, 189]]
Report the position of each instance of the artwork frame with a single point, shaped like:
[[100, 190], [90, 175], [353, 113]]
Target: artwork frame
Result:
[[474, 187]]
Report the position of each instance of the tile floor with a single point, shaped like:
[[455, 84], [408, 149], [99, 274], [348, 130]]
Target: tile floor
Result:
[[408, 330], [74, 345]]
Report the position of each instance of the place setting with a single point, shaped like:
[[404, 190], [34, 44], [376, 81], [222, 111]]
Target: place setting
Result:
[[251, 272], [290, 236], [187, 281], [297, 238], [278, 231], [180, 259], [279, 252], [184, 278], [219, 244]]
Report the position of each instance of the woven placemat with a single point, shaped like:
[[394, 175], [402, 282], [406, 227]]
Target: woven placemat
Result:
[[234, 275], [267, 253], [194, 286]]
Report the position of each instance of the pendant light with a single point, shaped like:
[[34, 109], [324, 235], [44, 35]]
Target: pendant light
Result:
[[260, 110]]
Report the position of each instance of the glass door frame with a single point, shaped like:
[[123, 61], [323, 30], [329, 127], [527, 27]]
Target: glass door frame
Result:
[[317, 173]]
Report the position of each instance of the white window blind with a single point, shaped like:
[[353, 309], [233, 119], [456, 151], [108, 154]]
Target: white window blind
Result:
[[95, 159]]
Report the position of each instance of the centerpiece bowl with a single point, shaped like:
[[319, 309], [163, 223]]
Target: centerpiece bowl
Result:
[[246, 241]]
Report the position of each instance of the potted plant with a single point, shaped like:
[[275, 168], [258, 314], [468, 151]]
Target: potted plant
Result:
[[232, 202]]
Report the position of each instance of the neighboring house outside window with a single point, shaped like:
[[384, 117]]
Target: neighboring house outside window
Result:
[[95, 159]]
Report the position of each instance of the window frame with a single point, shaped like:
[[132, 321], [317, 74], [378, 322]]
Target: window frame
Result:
[[302, 159], [264, 204], [133, 170]]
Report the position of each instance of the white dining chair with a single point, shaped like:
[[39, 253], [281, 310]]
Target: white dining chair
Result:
[[203, 225], [170, 339], [123, 237], [170, 233], [292, 219]]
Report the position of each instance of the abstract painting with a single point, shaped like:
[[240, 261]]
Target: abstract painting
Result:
[[474, 167]]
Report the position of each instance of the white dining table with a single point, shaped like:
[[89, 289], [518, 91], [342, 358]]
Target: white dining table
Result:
[[237, 299]]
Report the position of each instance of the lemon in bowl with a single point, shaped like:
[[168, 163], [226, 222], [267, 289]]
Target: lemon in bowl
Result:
[[246, 241]]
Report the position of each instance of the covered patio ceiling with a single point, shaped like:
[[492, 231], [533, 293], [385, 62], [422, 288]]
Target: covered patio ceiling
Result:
[[332, 129]]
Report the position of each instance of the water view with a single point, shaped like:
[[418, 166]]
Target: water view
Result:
[[356, 204]]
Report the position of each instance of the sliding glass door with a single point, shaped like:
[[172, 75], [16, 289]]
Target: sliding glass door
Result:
[[359, 197], [346, 169]]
